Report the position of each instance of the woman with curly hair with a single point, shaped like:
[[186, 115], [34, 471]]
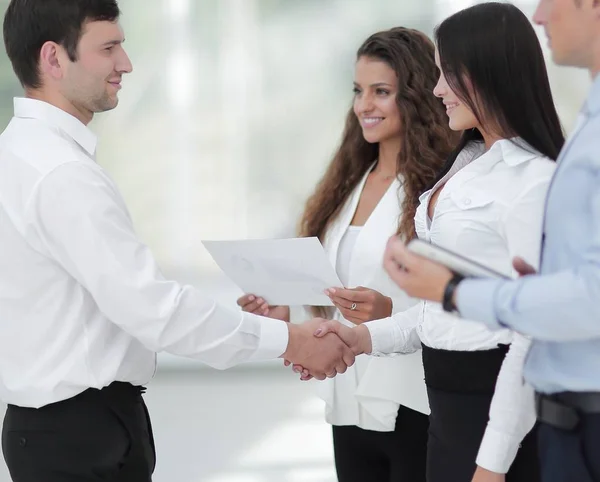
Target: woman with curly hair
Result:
[[395, 141], [486, 204]]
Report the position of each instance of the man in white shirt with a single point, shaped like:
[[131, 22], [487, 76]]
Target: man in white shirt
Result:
[[83, 305]]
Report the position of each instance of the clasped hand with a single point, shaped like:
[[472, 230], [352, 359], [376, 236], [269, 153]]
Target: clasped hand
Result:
[[356, 305], [356, 340], [323, 348], [321, 356]]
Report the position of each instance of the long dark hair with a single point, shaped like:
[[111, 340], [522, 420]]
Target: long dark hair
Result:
[[494, 48], [426, 143]]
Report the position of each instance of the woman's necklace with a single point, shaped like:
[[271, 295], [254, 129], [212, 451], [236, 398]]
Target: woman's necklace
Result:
[[382, 176]]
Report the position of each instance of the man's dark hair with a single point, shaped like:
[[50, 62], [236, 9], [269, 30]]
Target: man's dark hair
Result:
[[29, 24]]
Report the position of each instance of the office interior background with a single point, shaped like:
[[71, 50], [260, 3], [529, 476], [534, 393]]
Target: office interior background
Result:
[[229, 118]]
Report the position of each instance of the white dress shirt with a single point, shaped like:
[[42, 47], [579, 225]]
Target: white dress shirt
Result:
[[347, 244], [490, 210], [369, 394], [559, 308], [82, 301]]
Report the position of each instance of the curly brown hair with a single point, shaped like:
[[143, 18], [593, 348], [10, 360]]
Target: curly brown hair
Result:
[[426, 138]]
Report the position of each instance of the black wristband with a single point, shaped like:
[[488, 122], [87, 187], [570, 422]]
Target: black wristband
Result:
[[448, 299]]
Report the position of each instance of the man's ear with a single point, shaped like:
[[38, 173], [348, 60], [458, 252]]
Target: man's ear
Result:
[[51, 61]]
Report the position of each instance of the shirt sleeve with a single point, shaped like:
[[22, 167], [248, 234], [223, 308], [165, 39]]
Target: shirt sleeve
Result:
[[397, 333], [83, 224], [539, 305], [512, 411]]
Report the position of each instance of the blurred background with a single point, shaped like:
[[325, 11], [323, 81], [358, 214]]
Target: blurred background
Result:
[[229, 119]]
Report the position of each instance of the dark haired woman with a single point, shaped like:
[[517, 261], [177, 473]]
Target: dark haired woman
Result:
[[486, 204], [395, 142]]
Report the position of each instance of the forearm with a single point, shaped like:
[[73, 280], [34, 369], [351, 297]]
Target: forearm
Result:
[[562, 306], [558, 307], [512, 413], [119, 272], [180, 320], [396, 334]]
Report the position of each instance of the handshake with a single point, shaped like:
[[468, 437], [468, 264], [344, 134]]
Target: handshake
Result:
[[323, 348]]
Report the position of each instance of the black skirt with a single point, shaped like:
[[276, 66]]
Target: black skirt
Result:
[[460, 386]]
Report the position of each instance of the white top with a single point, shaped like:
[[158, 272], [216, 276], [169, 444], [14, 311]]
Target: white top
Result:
[[370, 392], [345, 253], [490, 210], [82, 301]]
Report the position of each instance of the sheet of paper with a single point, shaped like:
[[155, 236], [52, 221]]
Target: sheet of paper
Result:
[[291, 272]]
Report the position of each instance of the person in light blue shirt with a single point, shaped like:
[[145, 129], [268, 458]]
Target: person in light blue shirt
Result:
[[559, 307]]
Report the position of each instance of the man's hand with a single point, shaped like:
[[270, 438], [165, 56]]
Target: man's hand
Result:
[[321, 357], [357, 339], [360, 304], [522, 267], [418, 276], [483, 475]]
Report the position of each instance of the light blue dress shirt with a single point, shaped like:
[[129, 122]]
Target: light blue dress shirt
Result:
[[560, 308]]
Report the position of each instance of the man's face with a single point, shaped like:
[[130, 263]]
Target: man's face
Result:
[[93, 81], [571, 27]]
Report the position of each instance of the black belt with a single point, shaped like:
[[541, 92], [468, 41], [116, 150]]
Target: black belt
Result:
[[564, 409]]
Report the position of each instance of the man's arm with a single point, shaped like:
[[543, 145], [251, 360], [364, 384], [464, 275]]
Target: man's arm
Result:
[[562, 306], [82, 223]]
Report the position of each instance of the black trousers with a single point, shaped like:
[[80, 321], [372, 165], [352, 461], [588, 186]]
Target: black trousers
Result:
[[99, 435], [571, 455], [369, 456]]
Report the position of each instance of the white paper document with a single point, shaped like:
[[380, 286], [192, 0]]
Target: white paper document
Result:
[[291, 272]]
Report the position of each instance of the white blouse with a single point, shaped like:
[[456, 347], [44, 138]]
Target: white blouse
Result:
[[345, 253], [370, 392], [489, 209]]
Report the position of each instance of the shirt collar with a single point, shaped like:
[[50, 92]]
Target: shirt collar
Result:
[[36, 109], [592, 104], [514, 151]]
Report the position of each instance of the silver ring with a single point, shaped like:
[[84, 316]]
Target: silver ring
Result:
[[353, 307]]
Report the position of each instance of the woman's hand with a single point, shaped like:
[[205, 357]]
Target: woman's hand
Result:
[[483, 475], [258, 306], [360, 304], [357, 339]]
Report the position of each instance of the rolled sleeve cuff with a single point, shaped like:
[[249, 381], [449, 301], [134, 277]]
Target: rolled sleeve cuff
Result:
[[475, 301], [382, 336], [274, 338], [497, 451]]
